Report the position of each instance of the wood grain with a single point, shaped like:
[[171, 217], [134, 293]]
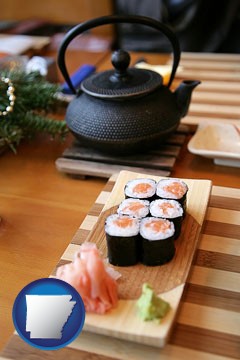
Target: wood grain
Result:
[[103, 170], [225, 203], [79, 160], [216, 228], [211, 297], [63, 13], [18, 349], [209, 341]]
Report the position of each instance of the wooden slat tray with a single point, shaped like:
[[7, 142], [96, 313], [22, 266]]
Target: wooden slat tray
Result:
[[167, 280], [78, 160], [208, 321]]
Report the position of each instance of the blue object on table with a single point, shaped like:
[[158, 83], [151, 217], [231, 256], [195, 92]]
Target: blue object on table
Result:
[[77, 77]]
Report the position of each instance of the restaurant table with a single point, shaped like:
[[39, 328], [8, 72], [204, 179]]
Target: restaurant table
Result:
[[42, 210]]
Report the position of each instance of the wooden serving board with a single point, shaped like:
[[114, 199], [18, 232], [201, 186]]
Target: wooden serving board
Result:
[[167, 280]]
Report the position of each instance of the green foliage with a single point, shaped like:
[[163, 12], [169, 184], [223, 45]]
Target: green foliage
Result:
[[35, 99]]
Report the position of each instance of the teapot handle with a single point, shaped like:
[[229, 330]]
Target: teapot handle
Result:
[[116, 19]]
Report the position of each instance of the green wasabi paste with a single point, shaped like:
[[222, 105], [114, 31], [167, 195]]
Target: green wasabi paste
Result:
[[150, 306]]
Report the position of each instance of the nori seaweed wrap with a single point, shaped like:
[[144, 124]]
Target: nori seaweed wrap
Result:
[[157, 241], [123, 240]]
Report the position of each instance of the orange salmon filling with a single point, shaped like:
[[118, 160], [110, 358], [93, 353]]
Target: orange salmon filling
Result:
[[158, 225], [142, 188], [175, 188], [123, 222], [134, 206], [165, 206]]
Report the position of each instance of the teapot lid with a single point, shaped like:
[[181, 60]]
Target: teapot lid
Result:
[[122, 82]]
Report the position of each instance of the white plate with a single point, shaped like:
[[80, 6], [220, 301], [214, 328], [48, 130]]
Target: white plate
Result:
[[220, 142]]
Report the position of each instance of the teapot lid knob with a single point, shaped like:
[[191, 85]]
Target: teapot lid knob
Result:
[[120, 61]]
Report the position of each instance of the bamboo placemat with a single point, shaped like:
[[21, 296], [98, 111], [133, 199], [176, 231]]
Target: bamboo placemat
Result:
[[217, 97], [208, 323]]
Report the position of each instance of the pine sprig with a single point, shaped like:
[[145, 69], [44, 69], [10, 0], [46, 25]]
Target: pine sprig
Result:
[[35, 98], [33, 123], [10, 135]]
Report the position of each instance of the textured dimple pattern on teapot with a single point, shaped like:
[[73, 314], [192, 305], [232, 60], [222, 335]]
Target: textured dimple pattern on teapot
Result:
[[100, 85], [108, 120]]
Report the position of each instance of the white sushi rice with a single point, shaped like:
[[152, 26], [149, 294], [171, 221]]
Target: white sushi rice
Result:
[[147, 230], [127, 207], [163, 192], [166, 208], [112, 228], [131, 186]]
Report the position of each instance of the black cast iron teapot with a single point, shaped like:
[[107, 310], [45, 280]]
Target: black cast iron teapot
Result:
[[125, 110]]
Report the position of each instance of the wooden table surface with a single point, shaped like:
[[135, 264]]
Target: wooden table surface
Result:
[[41, 209]]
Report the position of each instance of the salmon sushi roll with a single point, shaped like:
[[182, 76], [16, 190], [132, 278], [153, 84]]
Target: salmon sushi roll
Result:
[[173, 189], [157, 241], [144, 189], [134, 207], [123, 240], [168, 209]]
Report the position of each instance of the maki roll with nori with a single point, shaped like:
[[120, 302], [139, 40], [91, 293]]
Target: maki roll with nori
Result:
[[157, 241], [134, 207], [144, 189], [174, 189], [122, 234], [168, 209]]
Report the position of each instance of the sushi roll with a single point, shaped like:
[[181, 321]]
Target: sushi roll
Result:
[[122, 234], [143, 189], [174, 189], [134, 207], [157, 241], [168, 209]]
